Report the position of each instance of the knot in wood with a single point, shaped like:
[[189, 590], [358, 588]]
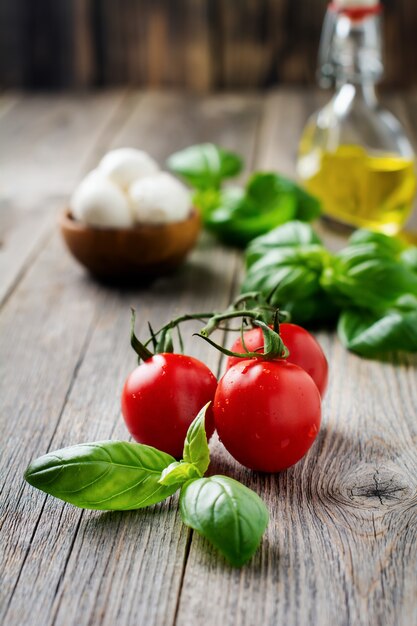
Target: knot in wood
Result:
[[374, 487]]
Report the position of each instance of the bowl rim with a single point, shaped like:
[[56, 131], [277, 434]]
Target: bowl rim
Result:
[[67, 221]]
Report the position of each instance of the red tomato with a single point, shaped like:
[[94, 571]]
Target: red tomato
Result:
[[304, 350], [267, 413], [161, 398]]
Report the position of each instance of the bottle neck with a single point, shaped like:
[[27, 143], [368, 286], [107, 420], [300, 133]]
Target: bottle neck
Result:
[[364, 92], [350, 47]]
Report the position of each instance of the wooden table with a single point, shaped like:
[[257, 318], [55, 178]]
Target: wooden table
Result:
[[340, 548]]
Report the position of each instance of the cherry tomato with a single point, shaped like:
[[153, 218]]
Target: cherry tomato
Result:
[[267, 413], [161, 398], [304, 350]]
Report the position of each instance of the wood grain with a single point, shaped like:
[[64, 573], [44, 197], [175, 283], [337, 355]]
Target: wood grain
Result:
[[340, 549], [343, 521], [47, 144], [62, 536], [342, 526]]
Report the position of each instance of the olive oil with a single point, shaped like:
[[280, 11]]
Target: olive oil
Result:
[[354, 155], [360, 188]]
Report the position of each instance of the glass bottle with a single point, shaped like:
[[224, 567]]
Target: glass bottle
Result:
[[354, 155]]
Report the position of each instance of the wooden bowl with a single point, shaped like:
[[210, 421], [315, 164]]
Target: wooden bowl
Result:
[[140, 251]]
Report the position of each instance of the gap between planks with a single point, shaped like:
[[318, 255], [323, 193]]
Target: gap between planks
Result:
[[186, 555], [87, 341], [31, 239]]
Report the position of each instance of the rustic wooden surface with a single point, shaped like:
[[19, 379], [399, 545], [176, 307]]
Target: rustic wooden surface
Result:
[[193, 44], [340, 549]]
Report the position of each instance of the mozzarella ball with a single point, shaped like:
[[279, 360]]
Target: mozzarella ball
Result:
[[125, 165], [159, 199], [97, 201]]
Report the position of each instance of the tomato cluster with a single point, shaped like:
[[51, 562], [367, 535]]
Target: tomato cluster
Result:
[[267, 412]]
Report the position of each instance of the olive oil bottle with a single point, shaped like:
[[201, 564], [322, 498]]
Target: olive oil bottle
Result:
[[354, 155]]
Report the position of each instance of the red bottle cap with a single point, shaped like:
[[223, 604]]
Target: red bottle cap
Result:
[[356, 9]]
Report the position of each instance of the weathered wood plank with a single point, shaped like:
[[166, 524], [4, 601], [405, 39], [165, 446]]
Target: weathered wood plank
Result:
[[47, 143], [340, 547], [91, 557], [341, 544], [23, 232], [37, 368]]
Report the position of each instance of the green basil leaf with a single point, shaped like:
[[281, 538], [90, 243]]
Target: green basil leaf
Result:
[[205, 166], [361, 277], [409, 258], [267, 188], [370, 335], [179, 472], [384, 245], [308, 206], [237, 220], [231, 516], [106, 475], [267, 201], [206, 200], [196, 450], [266, 191], [289, 235], [290, 277]]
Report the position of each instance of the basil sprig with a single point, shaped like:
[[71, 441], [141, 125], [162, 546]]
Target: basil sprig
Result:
[[371, 285], [118, 476], [286, 265], [235, 214]]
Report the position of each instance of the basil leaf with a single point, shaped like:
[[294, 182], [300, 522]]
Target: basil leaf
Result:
[[270, 193], [267, 201], [290, 278], [196, 450], [287, 236], [231, 516], [371, 335], [409, 258], [361, 277], [106, 475], [308, 206], [384, 245], [267, 188], [206, 200], [238, 219], [205, 166], [178, 473]]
